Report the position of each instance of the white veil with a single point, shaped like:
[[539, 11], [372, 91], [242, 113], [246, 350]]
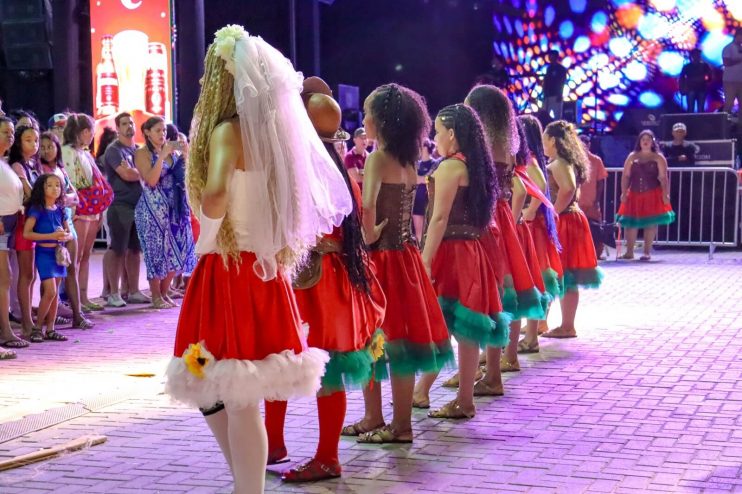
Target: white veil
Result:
[[301, 194]]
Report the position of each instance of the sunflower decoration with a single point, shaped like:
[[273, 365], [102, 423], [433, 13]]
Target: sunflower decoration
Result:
[[196, 358], [376, 348]]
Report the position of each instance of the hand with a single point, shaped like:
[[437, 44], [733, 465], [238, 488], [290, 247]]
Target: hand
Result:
[[428, 270], [666, 199], [376, 233], [2, 228], [60, 236], [529, 215], [168, 149], [624, 195], [682, 157]]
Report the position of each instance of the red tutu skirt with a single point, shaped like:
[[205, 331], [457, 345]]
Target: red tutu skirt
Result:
[[519, 294], [467, 288], [416, 334], [342, 320], [529, 251], [548, 257], [644, 209], [578, 257], [238, 339]]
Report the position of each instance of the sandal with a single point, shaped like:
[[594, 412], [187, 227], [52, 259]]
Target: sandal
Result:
[[357, 429], [54, 336], [278, 456], [525, 347], [36, 336], [645, 258], [451, 410], [507, 366], [627, 257], [7, 355], [482, 358], [160, 304], [62, 321], [481, 388], [83, 324], [311, 471], [92, 306], [423, 404], [385, 435], [19, 343], [451, 382], [560, 333]]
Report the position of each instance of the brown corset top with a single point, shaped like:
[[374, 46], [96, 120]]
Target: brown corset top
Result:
[[394, 203], [553, 191], [644, 176], [459, 219]]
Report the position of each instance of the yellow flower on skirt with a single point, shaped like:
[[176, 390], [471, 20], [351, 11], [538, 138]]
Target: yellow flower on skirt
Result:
[[376, 348], [196, 358]]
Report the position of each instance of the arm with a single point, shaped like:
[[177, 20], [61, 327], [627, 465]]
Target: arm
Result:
[[371, 187], [731, 56], [518, 199], [28, 232], [151, 174], [565, 179], [18, 169], [662, 177], [625, 177], [535, 174], [691, 153], [355, 175], [447, 179], [224, 152], [116, 162]]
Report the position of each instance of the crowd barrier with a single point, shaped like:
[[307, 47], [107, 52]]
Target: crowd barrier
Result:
[[706, 201]]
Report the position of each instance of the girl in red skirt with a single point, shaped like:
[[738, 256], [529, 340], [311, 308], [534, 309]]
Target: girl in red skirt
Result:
[[264, 187], [462, 192], [540, 218], [520, 296], [341, 300], [645, 196], [567, 170], [416, 334]]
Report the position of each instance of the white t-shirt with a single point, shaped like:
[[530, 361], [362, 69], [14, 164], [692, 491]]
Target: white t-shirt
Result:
[[733, 73], [11, 190], [79, 166]]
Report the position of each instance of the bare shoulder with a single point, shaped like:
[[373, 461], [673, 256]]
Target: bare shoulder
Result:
[[452, 166], [226, 133]]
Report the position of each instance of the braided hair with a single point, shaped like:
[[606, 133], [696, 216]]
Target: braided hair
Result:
[[354, 248], [533, 135], [569, 148], [483, 190], [402, 121]]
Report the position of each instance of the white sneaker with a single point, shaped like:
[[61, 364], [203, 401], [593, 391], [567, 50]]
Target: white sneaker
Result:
[[115, 300]]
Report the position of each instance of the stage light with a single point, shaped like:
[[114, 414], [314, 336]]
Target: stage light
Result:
[[519, 28], [582, 44], [628, 15], [598, 61], [618, 99], [578, 6], [508, 26], [713, 20], [549, 15], [712, 45], [566, 29], [599, 22], [653, 26], [650, 99], [735, 8], [619, 3], [620, 46], [671, 62], [608, 79], [663, 5], [635, 71]]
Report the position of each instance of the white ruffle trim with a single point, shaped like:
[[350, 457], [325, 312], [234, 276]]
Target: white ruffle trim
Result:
[[239, 383]]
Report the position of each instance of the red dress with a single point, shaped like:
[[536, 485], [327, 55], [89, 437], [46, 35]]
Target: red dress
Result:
[[416, 334], [644, 206], [465, 280], [548, 256], [579, 262]]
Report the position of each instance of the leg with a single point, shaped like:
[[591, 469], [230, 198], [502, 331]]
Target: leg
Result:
[[15, 306], [6, 333], [530, 340], [248, 446], [402, 389], [373, 416], [421, 393], [493, 377], [569, 302], [107, 261], [218, 423], [468, 364], [112, 265], [25, 288], [730, 93], [275, 418], [133, 261], [331, 411], [511, 351], [48, 305], [649, 235], [73, 288], [630, 235], [165, 288], [157, 301], [86, 231]]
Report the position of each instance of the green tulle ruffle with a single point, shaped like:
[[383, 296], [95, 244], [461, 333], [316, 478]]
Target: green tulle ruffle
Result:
[[660, 219], [475, 327], [404, 358], [553, 283], [350, 370], [582, 278]]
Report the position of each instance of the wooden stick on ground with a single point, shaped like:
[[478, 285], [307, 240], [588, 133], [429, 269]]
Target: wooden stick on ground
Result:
[[44, 454]]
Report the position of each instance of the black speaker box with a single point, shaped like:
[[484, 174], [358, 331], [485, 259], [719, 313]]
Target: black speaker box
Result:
[[26, 27], [634, 120], [701, 126]]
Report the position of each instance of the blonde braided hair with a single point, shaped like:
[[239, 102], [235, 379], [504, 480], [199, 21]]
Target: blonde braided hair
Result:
[[215, 104]]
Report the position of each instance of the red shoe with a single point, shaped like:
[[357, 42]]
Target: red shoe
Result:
[[278, 455], [311, 471]]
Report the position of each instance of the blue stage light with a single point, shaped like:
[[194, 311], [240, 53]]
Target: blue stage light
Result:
[[566, 29], [635, 71], [671, 63], [599, 21], [712, 45], [618, 99], [582, 44], [549, 15], [578, 6], [653, 26], [650, 99], [620, 46]]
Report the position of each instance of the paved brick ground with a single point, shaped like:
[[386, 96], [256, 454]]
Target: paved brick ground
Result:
[[648, 398]]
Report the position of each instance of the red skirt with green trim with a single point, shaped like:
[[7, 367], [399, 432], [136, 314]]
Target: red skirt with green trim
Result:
[[467, 288], [578, 257], [644, 209], [342, 320], [416, 334], [548, 257]]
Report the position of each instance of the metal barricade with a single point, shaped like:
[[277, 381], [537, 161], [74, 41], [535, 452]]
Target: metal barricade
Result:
[[706, 201]]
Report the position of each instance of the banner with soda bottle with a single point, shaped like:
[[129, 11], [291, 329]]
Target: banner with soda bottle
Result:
[[131, 44]]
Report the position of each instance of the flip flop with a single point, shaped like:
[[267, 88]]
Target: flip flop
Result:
[[645, 258], [559, 333], [20, 343]]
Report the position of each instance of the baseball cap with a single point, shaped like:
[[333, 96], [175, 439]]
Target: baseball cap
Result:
[[679, 126], [360, 131], [57, 120]]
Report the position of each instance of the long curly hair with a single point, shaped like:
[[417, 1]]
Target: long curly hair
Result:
[[533, 132], [355, 256], [498, 117], [646, 132], [483, 190], [15, 154], [215, 104], [38, 196], [523, 154], [569, 148], [106, 138], [402, 121]]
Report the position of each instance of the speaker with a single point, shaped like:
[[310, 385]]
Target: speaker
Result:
[[634, 120], [701, 126], [26, 27], [572, 111]]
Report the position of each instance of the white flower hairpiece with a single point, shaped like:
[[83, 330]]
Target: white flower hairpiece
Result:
[[225, 39]]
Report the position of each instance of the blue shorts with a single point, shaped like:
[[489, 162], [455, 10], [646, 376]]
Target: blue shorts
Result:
[[9, 224]]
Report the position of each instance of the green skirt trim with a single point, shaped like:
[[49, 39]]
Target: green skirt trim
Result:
[[553, 283], [404, 358], [350, 370], [474, 327], [524, 304], [660, 219], [582, 278]]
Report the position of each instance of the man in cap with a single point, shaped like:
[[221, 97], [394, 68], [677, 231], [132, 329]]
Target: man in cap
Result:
[[680, 152], [56, 125], [355, 159]]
